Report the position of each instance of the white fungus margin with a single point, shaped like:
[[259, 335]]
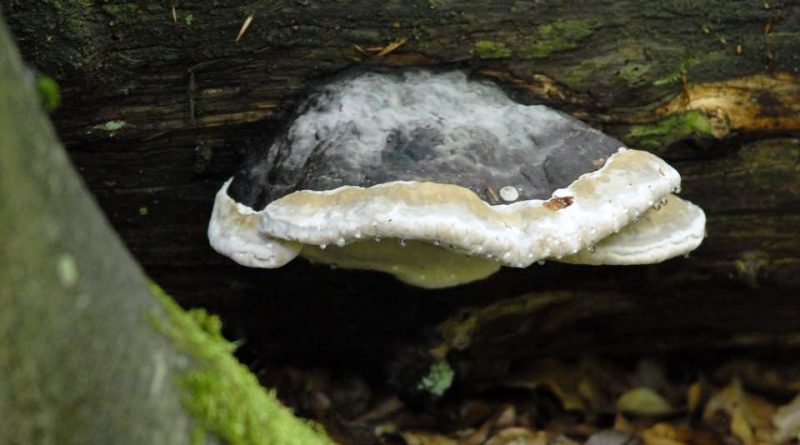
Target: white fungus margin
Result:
[[590, 223]]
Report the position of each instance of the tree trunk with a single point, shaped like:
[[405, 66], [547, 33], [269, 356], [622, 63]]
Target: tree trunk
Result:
[[78, 355], [160, 104], [87, 354]]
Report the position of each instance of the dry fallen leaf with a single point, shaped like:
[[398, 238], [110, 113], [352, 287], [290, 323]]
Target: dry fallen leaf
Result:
[[749, 417], [697, 395], [589, 386], [643, 401], [613, 437], [663, 434], [421, 438], [519, 436], [780, 378], [787, 421]]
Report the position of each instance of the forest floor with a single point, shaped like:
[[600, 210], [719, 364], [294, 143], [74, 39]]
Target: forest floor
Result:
[[668, 400]]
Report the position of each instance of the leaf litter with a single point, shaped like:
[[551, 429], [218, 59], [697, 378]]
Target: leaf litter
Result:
[[589, 401]]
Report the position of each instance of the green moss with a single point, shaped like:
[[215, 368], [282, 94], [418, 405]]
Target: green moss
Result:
[[49, 91], [677, 74], [672, 128], [438, 380], [222, 394], [558, 36], [112, 126], [189, 19], [545, 40], [627, 62], [575, 77], [634, 74], [489, 49], [633, 64]]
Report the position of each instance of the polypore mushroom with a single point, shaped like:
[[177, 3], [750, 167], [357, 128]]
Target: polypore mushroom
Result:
[[440, 180]]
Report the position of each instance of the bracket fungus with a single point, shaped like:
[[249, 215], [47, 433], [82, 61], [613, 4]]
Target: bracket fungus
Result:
[[440, 180]]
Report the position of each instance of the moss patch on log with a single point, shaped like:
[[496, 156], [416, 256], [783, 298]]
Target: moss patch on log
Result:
[[671, 129], [540, 43], [223, 396], [490, 49], [49, 91], [555, 37], [438, 380]]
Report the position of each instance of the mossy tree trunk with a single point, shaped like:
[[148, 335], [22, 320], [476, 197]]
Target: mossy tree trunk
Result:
[[88, 355], [160, 103], [79, 359]]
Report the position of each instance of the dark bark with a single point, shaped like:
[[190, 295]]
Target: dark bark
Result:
[[193, 101]]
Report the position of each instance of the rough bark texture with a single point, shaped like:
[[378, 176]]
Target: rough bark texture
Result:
[[160, 104]]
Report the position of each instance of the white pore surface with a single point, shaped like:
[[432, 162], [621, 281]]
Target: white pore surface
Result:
[[603, 202], [233, 232], [360, 114]]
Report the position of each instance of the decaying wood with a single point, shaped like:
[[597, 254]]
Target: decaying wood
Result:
[[160, 103]]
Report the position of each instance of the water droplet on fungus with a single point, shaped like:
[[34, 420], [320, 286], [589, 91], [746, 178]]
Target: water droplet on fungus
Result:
[[509, 194]]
